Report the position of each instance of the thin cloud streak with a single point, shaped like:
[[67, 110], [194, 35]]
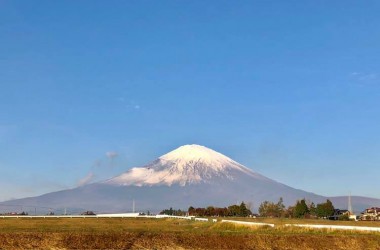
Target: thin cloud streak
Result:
[[86, 180], [365, 77]]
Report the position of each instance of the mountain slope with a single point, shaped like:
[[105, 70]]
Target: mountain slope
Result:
[[191, 175]]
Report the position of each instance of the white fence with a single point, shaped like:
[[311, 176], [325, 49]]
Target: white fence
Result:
[[201, 219], [47, 216], [173, 216], [118, 215], [249, 223], [121, 215], [336, 227]]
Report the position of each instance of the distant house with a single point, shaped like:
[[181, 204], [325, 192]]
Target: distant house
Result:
[[338, 213], [372, 213], [88, 213]]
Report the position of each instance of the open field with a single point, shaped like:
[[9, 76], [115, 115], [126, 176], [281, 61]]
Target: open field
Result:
[[141, 233]]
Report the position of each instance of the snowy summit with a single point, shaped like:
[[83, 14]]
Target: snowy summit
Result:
[[188, 164]]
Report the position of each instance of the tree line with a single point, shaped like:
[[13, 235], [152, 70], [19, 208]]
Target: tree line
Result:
[[302, 209], [234, 210]]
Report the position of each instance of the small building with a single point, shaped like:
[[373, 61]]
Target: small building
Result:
[[338, 213], [372, 213]]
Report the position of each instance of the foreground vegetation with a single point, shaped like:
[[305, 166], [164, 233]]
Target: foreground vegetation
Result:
[[170, 234]]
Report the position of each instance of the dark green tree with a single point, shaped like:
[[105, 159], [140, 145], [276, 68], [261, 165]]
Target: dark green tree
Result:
[[280, 208], [234, 210], [172, 211], [324, 210], [312, 209], [300, 210], [210, 211], [244, 211]]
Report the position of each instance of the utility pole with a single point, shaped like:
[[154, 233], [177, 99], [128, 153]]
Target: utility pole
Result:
[[349, 204], [133, 206]]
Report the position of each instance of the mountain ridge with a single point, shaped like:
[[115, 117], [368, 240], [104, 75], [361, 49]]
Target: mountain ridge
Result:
[[190, 175]]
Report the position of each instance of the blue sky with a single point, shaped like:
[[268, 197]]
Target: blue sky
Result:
[[290, 89]]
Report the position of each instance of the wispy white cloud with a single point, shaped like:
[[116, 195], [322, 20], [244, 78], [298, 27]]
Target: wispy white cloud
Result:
[[102, 168], [365, 77], [111, 154], [121, 99], [368, 77], [86, 180], [133, 106], [129, 104]]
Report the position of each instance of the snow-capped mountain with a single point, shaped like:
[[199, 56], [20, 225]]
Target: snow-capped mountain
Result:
[[189, 164], [190, 175]]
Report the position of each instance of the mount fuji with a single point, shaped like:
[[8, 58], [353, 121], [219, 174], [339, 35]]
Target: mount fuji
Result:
[[191, 175]]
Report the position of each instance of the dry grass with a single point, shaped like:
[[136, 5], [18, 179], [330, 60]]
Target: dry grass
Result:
[[169, 234]]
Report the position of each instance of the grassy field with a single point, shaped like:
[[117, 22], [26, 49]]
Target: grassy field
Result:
[[92, 233]]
